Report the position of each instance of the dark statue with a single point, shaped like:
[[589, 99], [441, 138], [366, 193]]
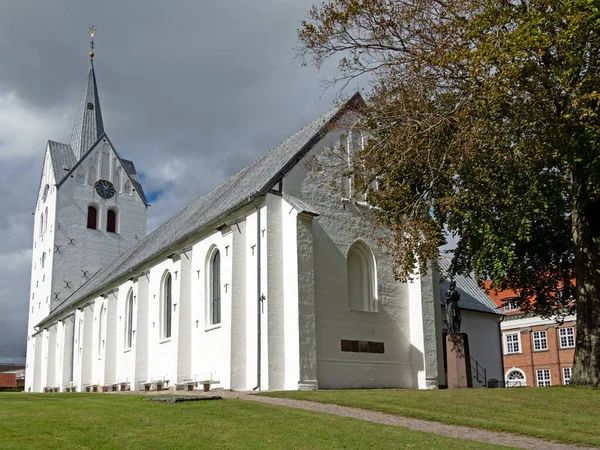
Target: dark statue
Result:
[[453, 318]]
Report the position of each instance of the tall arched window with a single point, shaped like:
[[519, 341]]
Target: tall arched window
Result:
[[41, 224], [46, 219], [129, 321], [100, 330], [111, 221], [127, 187], [92, 218], [214, 288], [166, 305], [362, 278]]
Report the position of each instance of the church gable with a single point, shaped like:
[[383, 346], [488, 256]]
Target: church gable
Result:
[[102, 162]]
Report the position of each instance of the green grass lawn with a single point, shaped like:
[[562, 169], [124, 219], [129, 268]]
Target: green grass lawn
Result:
[[562, 413], [77, 421]]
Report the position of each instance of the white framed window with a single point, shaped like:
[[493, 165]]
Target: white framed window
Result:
[[515, 377], [512, 343], [362, 278], [543, 377], [540, 341], [166, 304], [128, 321], [567, 337], [509, 306], [213, 288], [567, 372]]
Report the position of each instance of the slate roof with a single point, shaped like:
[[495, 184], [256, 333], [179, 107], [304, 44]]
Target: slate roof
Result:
[[130, 169], [64, 164], [88, 126], [63, 159], [471, 295], [254, 180], [300, 205]]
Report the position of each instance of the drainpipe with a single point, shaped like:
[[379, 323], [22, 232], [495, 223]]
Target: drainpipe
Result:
[[502, 350], [259, 299]]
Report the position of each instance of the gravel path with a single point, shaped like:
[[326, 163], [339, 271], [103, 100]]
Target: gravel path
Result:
[[455, 431]]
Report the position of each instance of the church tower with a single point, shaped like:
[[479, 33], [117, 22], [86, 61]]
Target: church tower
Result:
[[90, 208]]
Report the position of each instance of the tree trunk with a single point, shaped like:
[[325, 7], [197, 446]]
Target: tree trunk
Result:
[[585, 228]]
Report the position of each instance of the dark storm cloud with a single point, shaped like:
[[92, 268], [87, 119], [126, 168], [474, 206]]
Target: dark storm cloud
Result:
[[192, 91]]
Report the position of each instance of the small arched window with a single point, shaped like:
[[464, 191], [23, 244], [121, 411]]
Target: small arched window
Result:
[[362, 278], [111, 221], [43, 259], [127, 187], [129, 321], [214, 283], [92, 218], [515, 378], [166, 305]]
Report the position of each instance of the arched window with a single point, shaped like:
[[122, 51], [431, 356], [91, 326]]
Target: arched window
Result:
[[92, 218], [129, 321], [166, 305], [214, 288], [100, 330], [43, 259], [127, 187], [45, 219], [41, 224], [362, 278], [111, 221], [515, 378]]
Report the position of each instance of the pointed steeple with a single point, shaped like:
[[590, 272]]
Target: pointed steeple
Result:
[[88, 125]]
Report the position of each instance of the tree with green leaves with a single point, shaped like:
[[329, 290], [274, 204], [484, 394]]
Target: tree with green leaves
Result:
[[484, 122]]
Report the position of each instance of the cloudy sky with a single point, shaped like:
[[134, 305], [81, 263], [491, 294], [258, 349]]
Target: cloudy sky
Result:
[[192, 91]]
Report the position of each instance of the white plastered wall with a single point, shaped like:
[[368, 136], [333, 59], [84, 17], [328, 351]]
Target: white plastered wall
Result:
[[210, 353], [79, 251], [339, 225], [485, 344], [41, 274], [124, 357]]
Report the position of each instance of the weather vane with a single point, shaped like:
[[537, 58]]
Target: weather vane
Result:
[[92, 45]]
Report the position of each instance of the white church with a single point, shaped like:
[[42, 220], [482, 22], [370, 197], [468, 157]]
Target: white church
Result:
[[270, 281]]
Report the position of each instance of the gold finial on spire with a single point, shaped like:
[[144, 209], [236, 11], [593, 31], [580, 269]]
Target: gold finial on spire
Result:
[[92, 45]]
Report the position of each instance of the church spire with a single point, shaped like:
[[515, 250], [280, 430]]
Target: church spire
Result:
[[88, 125]]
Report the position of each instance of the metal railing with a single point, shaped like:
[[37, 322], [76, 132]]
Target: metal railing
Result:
[[511, 383], [480, 372]]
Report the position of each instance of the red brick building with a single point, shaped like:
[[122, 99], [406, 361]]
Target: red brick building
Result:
[[8, 381], [536, 351]]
